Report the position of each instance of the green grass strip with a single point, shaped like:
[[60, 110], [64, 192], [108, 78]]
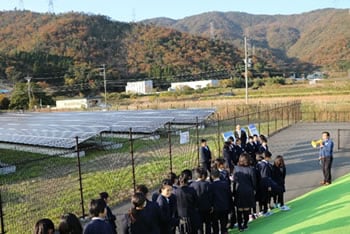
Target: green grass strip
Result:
[[323, 210]]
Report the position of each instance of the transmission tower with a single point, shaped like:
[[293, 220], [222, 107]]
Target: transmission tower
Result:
[[212, 35], [51, 9]]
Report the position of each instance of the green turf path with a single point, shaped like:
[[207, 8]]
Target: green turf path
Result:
[[323, 210]]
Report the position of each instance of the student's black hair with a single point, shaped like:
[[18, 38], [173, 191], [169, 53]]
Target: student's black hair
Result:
[[141, 188], [219, 161], [215, 173], [267, 154], [250, 137], [327, 133], [203, 140], [97, 206], [227, 144], [165, 182], [172, 177], [231, 138], [200, 173], [184, 178], [104, 195], [244, 160], [188, 173], [279, 161], [70, 224], [43, 226], [138, 200]]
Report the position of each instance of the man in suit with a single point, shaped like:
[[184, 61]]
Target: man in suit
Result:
[[241, 134], [326, 158], [205, 159], [98, 223]]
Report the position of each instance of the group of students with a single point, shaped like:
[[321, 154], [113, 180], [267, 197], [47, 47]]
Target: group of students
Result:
[[220, 194], [102, 221]]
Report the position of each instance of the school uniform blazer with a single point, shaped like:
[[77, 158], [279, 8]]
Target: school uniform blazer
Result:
[[251, 149], [147, 220], [228, 156], [111, 219], [238, 151], [243, 136], [222, 196], [165, 214], [187, 201], [204, 194], [98, 226], [265, 174], [205, 155], [278, 176]]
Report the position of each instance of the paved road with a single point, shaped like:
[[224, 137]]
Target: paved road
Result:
[[303, 170]]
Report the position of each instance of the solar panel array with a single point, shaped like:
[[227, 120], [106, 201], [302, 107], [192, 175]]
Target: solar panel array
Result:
[[60, 129]]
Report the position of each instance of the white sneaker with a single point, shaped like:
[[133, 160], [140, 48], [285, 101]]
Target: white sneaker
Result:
[[284, 208], [267, 214]]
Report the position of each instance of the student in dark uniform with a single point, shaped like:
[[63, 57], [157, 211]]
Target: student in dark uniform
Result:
[[98, 223], [204, 193], [263, 144], [265, 184], [167, 204], [244, 187], [251, 149], [238, 150], [205, 155], [222, 198], [110, 217], [142, 218], [257, 142], [279, 176], [241, 134], [228, 155], [187, 206]]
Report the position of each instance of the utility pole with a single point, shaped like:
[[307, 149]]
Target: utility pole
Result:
[[28, 78], [246, 69], [104, 82]]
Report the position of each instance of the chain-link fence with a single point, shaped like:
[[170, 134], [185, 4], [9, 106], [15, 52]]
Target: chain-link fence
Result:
[[49, 186]]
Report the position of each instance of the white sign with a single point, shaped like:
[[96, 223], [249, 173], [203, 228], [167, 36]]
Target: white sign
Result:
[[226, 135], [184, 137], [253, 130]]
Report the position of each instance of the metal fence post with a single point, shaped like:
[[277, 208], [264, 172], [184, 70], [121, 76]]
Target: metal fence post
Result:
[[282, 114], [170, 152], [197, 135], [275, 117], [132, 159], [80, 178], [268, 122], [2, 216], [259, 118], [218, 132]]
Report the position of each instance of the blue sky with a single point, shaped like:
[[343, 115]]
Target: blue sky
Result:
[[129, 10]]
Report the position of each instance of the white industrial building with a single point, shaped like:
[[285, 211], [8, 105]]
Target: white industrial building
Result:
[[81, 103], [139, 87], [200, 84]]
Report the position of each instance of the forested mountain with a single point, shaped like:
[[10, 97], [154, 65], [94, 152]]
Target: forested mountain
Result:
[[320, 37], [65, 52]]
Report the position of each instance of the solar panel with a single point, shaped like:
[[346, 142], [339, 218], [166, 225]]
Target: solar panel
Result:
[[59, 129]]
